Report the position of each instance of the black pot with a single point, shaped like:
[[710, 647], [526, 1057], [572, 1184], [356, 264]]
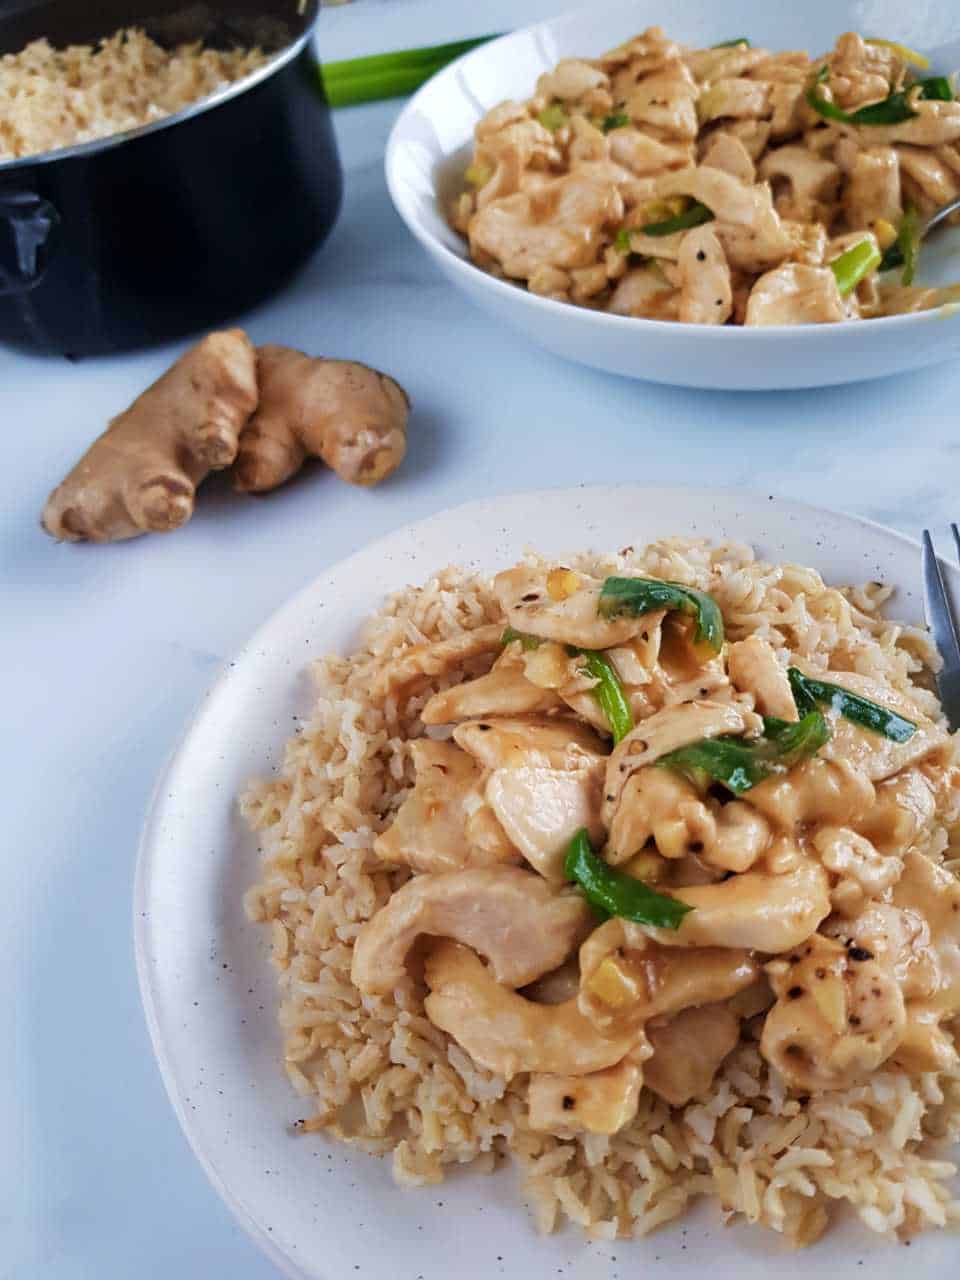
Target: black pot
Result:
[[174, 227]]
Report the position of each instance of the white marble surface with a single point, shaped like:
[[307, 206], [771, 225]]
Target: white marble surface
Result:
[[105, 651]]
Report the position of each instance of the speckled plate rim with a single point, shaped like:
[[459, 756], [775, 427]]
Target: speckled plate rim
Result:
[[565, 519]]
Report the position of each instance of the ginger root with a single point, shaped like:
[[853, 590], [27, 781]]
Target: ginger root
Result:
[[346, 413], [141, 475], [265, 411]]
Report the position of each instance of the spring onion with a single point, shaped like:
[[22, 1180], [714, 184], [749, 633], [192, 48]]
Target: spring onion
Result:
[[527, 642], [742, 763], [808, 692], [903, 52], [851, 267], [636, 596], [609, 693], [553, 117], [614, 893], [388, 75], [615, 121], [894, 109], [695, 216], [905, 250], [732, 44]]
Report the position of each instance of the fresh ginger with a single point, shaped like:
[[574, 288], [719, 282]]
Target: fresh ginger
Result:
[[224, 403], [141, 475], [346, 413]]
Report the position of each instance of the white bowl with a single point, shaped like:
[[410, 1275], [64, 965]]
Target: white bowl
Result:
[[323, 1211], [431, 141]]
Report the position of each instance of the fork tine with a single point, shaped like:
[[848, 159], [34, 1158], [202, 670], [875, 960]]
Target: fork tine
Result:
[[941, 622]]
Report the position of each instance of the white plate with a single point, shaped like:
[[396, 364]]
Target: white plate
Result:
[[319, 1209], [430, 143]]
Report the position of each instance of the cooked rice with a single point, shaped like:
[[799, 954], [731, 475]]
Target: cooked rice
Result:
[[52, 98], [377, 1074]]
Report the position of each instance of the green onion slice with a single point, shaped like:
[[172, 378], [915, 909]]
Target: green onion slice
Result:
[[732, 44], [615, 121], [695, 216], [527, 642], [553, 117], [905, 250], [614, 893], [851, 267], [808, 692], [609, 693], [741, 763], [637, 596]]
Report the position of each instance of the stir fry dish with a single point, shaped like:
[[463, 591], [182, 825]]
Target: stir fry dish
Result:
[[730, 185], [638, 869]]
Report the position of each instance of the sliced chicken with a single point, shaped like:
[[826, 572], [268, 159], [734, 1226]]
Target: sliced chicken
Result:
[[645, 292], [559, 604], [559, 224], [837, 1017], [754, 667], [795, 294], [934, 181], [433, 659], [665, 808], [811, 182], [541, 810], [570, 79], [904, 810], [831, 791], [872, 188], [874, 754], [726, 151], [734, 98], [863, 871], [552, 666], [689, 1050], [504, 691], [662, 806], [507, 1034], [933, 893], [602, 1102], [509, 743], [667, 731], [626, 979], [728, 199], [512, 917], [706, 294], [666, 100], [757, 911], [646, 156], [444, 824], [709, 65]]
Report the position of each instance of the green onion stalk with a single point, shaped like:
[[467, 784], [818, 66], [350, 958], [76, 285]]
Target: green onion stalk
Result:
[[740, 764], [389, 75], [808, 692], [614, 893]]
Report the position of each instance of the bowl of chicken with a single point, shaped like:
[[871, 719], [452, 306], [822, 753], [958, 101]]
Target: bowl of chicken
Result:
[[696, 208]]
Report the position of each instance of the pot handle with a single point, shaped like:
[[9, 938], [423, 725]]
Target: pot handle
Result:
[[27, 222]]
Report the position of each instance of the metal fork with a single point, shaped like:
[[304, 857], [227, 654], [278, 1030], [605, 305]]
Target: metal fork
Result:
[[942, 621]]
